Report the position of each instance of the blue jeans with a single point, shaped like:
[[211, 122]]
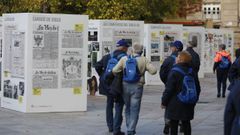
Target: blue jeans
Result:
[[114, 124], [132, 96]]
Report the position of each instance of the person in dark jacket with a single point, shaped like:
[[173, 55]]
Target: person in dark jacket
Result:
[[176, 47], [195, 63], [232, 112], [106, 88], [237, 53], [175, 109], [234, 73], [222, 72]]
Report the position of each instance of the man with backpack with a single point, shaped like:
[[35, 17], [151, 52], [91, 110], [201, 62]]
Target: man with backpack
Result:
[[181, 94], [175, 47], [222, 64], [108, 86], [133, 67]]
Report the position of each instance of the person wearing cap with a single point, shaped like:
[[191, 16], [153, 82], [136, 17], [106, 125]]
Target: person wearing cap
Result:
[[222, 73], [195, 63], [105, 88], [166, 67], [132, 91]]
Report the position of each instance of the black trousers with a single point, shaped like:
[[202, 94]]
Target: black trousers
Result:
[[186, 125], [222, 75]]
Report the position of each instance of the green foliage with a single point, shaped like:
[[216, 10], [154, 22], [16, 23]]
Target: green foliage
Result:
[[147, 10]]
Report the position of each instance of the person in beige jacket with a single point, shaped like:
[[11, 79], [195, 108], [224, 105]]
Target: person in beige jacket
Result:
[[132, 92]]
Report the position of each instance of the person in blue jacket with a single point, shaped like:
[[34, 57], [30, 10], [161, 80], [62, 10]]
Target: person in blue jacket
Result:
[[106, 88], [176, 47], [232, 112], [175, 109]]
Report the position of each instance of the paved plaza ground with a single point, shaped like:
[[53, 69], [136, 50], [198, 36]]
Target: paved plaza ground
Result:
[[208, 116]]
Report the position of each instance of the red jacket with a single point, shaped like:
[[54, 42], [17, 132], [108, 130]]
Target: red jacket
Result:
[[219, 55]]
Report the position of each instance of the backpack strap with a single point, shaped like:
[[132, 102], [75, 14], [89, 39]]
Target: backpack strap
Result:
[[173, 56], [179, 70], [121, 55], [112, 55]]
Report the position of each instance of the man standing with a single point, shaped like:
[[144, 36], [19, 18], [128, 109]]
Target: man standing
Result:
[[222, 64], [133, 67], [195, 62], [114, 124], [166, 67]]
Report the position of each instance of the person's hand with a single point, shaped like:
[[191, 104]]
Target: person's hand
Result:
[[163, 107]]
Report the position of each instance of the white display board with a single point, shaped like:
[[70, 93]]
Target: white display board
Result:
[[93, 56], [103, 35], [0, 56], [213, 38], [44, 62], [196, 35], [158, 38]]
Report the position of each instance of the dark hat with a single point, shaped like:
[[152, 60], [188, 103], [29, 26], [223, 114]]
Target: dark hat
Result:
[[178, 44], [123, 43]]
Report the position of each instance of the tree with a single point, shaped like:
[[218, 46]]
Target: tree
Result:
[[148, 10]]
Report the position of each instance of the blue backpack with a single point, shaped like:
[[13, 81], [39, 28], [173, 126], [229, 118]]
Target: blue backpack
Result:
[[188, 94], [131, 73], [224, 62], [112, 62]]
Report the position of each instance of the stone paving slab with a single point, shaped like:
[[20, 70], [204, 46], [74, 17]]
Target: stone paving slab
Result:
[[208, 116]]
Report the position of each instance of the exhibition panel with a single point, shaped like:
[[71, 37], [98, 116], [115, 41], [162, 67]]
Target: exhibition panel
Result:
[[44, 62]]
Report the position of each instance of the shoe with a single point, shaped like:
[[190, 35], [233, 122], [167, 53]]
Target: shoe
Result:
[[166, 129], [181, 129], [119, 133], [223, 96], [218, 95], [110, 130]]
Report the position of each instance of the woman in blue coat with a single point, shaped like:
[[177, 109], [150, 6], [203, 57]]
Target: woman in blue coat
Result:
[[232, 112]]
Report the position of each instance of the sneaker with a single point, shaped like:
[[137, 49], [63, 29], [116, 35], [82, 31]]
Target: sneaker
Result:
[[218, 95], [223, 96], [166, 130]]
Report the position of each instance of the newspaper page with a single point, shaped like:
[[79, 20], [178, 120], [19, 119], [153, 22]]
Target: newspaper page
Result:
[[169, 38], [45, 46], [130, 35], [45, 79], [1, 36], [71, 69], [155, 52], [8, 32], [18, 45], [107, 47], [13, 89], [72, 39]]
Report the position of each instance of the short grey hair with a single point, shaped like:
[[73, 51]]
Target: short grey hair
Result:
[[137, 48]]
